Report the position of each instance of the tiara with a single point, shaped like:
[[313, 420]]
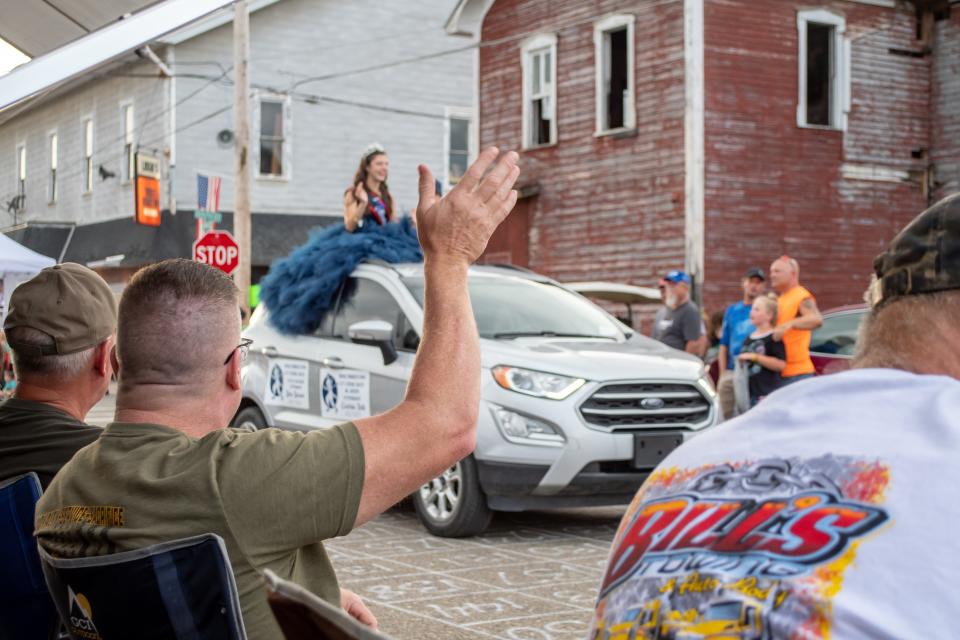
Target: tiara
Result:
[[376, 147]]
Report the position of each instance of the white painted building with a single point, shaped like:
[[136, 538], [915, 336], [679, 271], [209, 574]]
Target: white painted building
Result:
[[328, 78]]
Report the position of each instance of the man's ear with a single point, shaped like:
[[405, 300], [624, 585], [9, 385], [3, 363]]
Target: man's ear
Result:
[[114, 361], [102, 358], [233, 373]]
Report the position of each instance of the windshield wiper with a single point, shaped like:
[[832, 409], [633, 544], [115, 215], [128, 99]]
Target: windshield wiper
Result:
[[545, 334]]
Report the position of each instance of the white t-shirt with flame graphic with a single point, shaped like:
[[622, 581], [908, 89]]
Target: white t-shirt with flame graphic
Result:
[[832, 510]]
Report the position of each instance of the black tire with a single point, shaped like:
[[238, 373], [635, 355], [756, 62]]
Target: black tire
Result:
[[249, 418], [469, 515]]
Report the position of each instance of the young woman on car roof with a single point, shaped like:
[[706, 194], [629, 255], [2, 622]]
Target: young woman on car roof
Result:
[[369, 201]]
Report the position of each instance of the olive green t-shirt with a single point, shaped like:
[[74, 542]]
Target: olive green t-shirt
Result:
[[35, 436], [272, 495]]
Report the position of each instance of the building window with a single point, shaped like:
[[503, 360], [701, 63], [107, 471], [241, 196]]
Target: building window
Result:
[[458, 144], [128, 151], [21, 177], [613, 47], [87, 156], [540, 91], [52, 187], [274, 129], [824, 70]]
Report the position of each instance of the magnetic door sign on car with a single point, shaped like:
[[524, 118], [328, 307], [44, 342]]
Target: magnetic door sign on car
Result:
[[344, 394], [287, 383]]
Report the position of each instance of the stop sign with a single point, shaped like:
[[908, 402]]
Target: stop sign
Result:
[[217, 249]]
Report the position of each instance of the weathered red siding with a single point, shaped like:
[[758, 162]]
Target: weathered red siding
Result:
[[608, 208], [773, 188], [612, 208], [946, 105]]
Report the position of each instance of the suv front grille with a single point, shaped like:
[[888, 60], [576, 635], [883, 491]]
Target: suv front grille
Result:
[[646, 405]]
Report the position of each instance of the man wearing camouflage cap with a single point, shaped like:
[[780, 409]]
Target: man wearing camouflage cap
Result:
[[61, 326], [830, 510]]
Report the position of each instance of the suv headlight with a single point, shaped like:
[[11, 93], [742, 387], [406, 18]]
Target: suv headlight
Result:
[[706, 384], [523, 429], [536, 383]]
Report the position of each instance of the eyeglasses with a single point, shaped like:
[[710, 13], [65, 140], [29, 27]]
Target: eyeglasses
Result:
[[243, 347]]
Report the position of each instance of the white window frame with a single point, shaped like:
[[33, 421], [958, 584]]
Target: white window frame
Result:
[[127, 129], [529, 48], [53, 186], [600, 30], [20, 175], [459, 113], [840, 85], [86, 148], [286, 153]]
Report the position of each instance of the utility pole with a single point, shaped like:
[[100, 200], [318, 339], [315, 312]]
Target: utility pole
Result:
[[241, 163]]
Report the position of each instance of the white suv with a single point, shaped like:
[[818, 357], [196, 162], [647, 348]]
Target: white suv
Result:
[[576, 408]]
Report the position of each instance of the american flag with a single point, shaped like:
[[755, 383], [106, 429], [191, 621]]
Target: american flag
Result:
[[208, 193]]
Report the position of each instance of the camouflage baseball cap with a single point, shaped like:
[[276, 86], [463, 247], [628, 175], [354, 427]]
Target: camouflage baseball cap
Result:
[[68, 302], [925, 255]]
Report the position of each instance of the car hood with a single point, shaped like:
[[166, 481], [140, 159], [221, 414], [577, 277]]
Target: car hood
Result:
[[598, 360]]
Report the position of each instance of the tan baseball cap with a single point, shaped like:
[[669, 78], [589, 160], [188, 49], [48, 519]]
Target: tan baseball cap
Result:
[[68, 302]]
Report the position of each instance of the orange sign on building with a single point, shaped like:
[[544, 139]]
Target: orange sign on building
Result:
[[147, 193]]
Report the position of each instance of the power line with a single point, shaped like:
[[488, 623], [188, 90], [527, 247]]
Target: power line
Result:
[[103, 147], [315, 98], [473, 45], [428, 56], [158, 138]]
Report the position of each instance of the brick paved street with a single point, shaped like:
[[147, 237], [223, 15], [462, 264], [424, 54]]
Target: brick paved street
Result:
[[531, 576]]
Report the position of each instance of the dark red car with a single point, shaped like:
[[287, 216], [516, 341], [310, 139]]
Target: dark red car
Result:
[[831, 346]]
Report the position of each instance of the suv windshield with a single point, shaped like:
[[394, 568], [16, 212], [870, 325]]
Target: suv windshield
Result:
[[515, 307]]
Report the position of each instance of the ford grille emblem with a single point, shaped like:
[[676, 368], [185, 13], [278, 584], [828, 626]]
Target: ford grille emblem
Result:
[[652, 403]]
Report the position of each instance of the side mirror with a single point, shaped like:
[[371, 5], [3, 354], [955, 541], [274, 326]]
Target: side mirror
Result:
[[375, 333]]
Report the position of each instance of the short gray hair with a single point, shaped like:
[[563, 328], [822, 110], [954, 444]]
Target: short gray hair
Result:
[[57, 366]]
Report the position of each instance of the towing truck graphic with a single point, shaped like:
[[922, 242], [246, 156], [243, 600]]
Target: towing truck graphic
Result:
[[727, 619]]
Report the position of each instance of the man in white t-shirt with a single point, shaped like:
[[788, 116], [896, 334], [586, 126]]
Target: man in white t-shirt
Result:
[[830, 510]]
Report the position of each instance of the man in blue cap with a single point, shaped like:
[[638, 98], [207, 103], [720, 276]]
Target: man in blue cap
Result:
[[678, 324]]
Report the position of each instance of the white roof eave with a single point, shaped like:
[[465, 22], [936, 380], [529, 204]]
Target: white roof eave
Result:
[[467, 17]]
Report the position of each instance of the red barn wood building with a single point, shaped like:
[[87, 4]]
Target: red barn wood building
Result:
[[714, 135]]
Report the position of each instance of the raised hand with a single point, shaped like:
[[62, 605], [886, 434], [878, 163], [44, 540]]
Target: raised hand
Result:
[[360, 193], [458, 226]]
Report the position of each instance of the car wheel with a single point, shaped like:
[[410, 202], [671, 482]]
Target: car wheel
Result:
[[452, 505], [249, 419]]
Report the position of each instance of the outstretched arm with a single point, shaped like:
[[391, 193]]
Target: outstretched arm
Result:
[[435, 425]]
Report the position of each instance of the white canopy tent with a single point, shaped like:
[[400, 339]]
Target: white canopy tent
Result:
[[17, 263], [88, 35]]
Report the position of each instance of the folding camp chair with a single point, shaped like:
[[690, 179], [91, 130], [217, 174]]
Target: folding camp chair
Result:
[[26, 610], [178, 590]]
